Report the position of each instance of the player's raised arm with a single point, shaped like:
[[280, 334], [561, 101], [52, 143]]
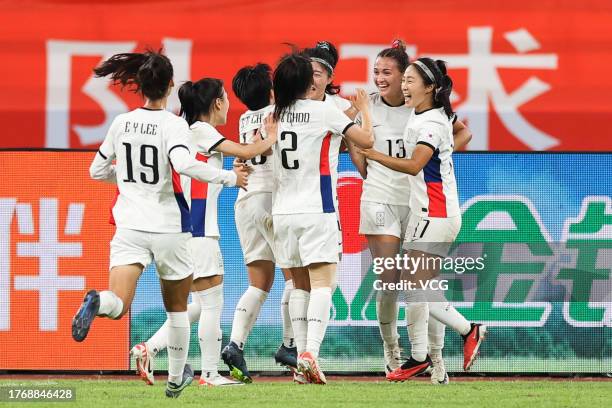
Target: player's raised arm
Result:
[[259, 146], [362, 135], [461, 134], [184, 163], [427, 143], [102, 167], [359, 160]]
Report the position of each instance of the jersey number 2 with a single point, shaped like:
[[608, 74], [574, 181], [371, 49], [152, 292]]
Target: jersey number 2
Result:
[[295, 165], [152, 164]]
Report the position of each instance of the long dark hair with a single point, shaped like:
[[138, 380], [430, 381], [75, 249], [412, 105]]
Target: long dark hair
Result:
[[149, 73], [292, 79], [397, 52], [198, 98], [252, 85], [327, 52], [442, 83]]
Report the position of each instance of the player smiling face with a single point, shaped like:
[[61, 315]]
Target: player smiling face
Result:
[[320, 80], [387, 77], [416, 93]]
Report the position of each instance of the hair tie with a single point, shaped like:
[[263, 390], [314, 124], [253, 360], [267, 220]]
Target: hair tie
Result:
[[396, 44], [324, 45]]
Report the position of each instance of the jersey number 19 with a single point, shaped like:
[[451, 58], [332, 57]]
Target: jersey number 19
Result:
[[148, 158]]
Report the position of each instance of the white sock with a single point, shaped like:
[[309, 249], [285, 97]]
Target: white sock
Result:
[[417, 313], [446, 313], [178, 345], [435, 331], [318, 318], [110, 305], [288, 339], [298, 310], [159, 341], [193, 309], [387, 308], [209, 329], [246, 314]]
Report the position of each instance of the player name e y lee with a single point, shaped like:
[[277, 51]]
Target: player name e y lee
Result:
[[142, 128]]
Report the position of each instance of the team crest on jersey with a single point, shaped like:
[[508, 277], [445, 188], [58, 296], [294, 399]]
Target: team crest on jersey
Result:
[[380, 219]]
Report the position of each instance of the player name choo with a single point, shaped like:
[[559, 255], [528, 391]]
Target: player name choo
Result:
[[295, 117], [142, 128]]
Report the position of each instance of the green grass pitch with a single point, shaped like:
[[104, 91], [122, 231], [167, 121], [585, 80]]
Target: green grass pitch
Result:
[[340, 393]]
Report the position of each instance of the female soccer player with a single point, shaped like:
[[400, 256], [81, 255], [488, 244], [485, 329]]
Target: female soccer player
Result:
[[385, 209], [253, 86], [204, 104], [324, 57], [435, 216], [150, 146], [303, 210]]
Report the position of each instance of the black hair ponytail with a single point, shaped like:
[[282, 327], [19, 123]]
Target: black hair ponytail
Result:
[[292, 79], [252, 85], [327, 52], [442, 83], [149, 73], [197, 98], [443, 92]]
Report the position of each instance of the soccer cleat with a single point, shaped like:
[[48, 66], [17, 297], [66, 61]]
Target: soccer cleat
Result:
[[81, 322], [144, 363], [286, 356], [471, 344], [233, 357], [216, 381], [393, 358], [174, 390], [409, 369], [299, 378], [439, 376], [308, 366]]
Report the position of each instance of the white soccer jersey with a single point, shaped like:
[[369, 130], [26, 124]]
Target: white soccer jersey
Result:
[[383, 185], [261, 179], [342, 104], [149, 194], [337, 101], [204, 196], [434, 189], [306, 157]]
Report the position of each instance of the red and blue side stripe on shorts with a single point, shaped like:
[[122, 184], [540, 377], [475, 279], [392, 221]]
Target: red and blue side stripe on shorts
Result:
[[327, 196], [435, 189], [180, 200], [199, 195]]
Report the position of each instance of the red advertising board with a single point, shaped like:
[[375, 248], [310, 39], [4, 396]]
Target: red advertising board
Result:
[[529, 75], [54, 246]]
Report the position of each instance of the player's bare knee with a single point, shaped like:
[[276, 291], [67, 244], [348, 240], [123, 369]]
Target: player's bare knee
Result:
[[261, 275], [322, 275]]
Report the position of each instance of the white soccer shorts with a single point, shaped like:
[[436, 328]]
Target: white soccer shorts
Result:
[[169, 251], [304, 239], [207, 257], [432, 235], [383, 219], [254, 225]]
